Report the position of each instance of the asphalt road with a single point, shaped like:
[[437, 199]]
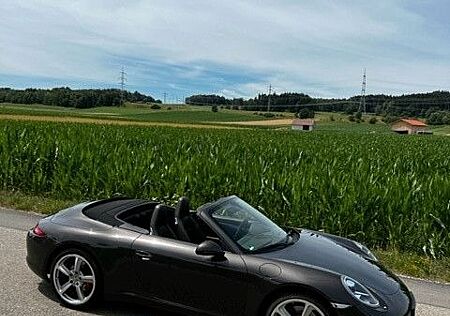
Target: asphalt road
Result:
[[22, 292]]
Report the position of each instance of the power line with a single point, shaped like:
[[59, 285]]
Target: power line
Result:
[[274, 106], [268, 100]]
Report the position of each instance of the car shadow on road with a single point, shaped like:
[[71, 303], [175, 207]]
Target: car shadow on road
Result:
[[107, 307]]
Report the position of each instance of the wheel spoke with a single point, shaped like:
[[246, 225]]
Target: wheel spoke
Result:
[[297, 306], [65, 287], [282, 311], [77, 264], [63, 269], [87, 278], [79, 293], [308, 311]]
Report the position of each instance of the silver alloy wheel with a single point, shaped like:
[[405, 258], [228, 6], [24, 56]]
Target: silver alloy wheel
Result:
[[296, 307], [74, 279]]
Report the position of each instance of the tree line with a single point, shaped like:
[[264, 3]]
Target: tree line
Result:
[[278, 102], [434, 106], [66, 97]]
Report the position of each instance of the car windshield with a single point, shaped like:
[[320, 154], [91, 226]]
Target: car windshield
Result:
[[250, 229]]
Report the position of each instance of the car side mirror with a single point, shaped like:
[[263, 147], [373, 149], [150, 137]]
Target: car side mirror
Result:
[[209, 248]]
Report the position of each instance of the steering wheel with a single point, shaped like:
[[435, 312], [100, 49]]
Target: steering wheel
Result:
[[242, 229]]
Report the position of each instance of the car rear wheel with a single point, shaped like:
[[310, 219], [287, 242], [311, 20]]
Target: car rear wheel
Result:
[[75, 278], [297, 305]]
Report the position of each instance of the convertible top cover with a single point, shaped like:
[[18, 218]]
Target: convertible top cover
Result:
[[106, 211]]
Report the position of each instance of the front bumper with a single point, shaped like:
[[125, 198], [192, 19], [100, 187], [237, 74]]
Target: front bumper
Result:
[[353, 311], [402, 303]]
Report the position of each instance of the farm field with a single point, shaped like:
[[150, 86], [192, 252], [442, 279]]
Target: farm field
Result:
[[382, 189], [178, 116], [132, 112], [200, 116]]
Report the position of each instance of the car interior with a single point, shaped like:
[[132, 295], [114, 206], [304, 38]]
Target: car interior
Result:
[[176, 223]]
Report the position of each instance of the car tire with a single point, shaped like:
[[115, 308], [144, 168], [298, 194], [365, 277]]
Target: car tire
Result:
[[75, 278], [295, 304]]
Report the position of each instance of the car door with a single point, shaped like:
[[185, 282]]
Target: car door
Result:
[[171, 271]]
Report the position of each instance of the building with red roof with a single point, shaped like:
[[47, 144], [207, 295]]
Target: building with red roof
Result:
[[410, 126]]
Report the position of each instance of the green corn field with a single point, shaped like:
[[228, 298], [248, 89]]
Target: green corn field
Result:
[[381, 189]]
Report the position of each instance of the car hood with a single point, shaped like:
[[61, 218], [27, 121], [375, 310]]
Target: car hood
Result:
[[319, 251]]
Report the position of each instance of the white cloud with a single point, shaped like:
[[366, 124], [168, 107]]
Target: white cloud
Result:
[[319, 47]]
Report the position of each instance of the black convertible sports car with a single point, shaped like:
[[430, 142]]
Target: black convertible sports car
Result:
[[224, 259]]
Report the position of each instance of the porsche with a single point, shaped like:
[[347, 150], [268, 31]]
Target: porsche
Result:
[[225, 258]]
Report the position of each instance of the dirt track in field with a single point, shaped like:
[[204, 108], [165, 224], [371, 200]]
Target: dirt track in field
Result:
[[277, 122], [69, 119]]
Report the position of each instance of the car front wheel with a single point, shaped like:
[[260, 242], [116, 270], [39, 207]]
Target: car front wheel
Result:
[[297, 305], [75, 278]]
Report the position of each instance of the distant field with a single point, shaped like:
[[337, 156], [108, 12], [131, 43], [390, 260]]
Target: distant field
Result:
[[168, 113], [107, 121], [442, 130], [179, 115], [383, 189]]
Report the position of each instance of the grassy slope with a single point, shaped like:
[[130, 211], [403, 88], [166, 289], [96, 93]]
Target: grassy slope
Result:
[[403, 263], [442, 130], [338, 122], [170, 113]]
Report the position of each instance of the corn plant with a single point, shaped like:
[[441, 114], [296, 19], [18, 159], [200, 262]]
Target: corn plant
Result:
[[384, 190]]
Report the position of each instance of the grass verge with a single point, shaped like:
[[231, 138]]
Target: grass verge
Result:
[[410, 264], [415, 265], [32, 203]]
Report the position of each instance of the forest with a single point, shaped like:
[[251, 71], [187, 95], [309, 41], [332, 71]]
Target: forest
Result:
[[434, 106], [66, 97]]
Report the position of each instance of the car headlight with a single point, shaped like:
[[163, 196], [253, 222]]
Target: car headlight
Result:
[[359, 291], [365, 250]]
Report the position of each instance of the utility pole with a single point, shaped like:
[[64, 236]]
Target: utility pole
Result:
[[268, 99], [122, 79], [164, 96], [362, 104]]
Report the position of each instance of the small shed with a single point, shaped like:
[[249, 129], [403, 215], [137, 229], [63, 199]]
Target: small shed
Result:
[[410, 126], [303, 125]]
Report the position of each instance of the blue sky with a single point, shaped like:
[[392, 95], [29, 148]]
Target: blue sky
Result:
[[234, 47]]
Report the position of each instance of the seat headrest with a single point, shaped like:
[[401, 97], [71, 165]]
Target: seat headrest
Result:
[[182, 209], [162, 215]]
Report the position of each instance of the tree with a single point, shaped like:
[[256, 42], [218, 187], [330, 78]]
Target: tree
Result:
[[155, 107], [305, 113], [214, 108], [351, 109], [439, 118], [203, 99]]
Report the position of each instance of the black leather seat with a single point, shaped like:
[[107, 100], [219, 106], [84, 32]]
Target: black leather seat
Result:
[[163, 222], [187, 228]]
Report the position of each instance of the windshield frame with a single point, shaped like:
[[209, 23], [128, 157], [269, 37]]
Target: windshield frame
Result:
[[206, 212]]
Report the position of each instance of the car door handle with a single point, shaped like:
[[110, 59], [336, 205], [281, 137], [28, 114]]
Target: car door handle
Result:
[[144, 255]]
